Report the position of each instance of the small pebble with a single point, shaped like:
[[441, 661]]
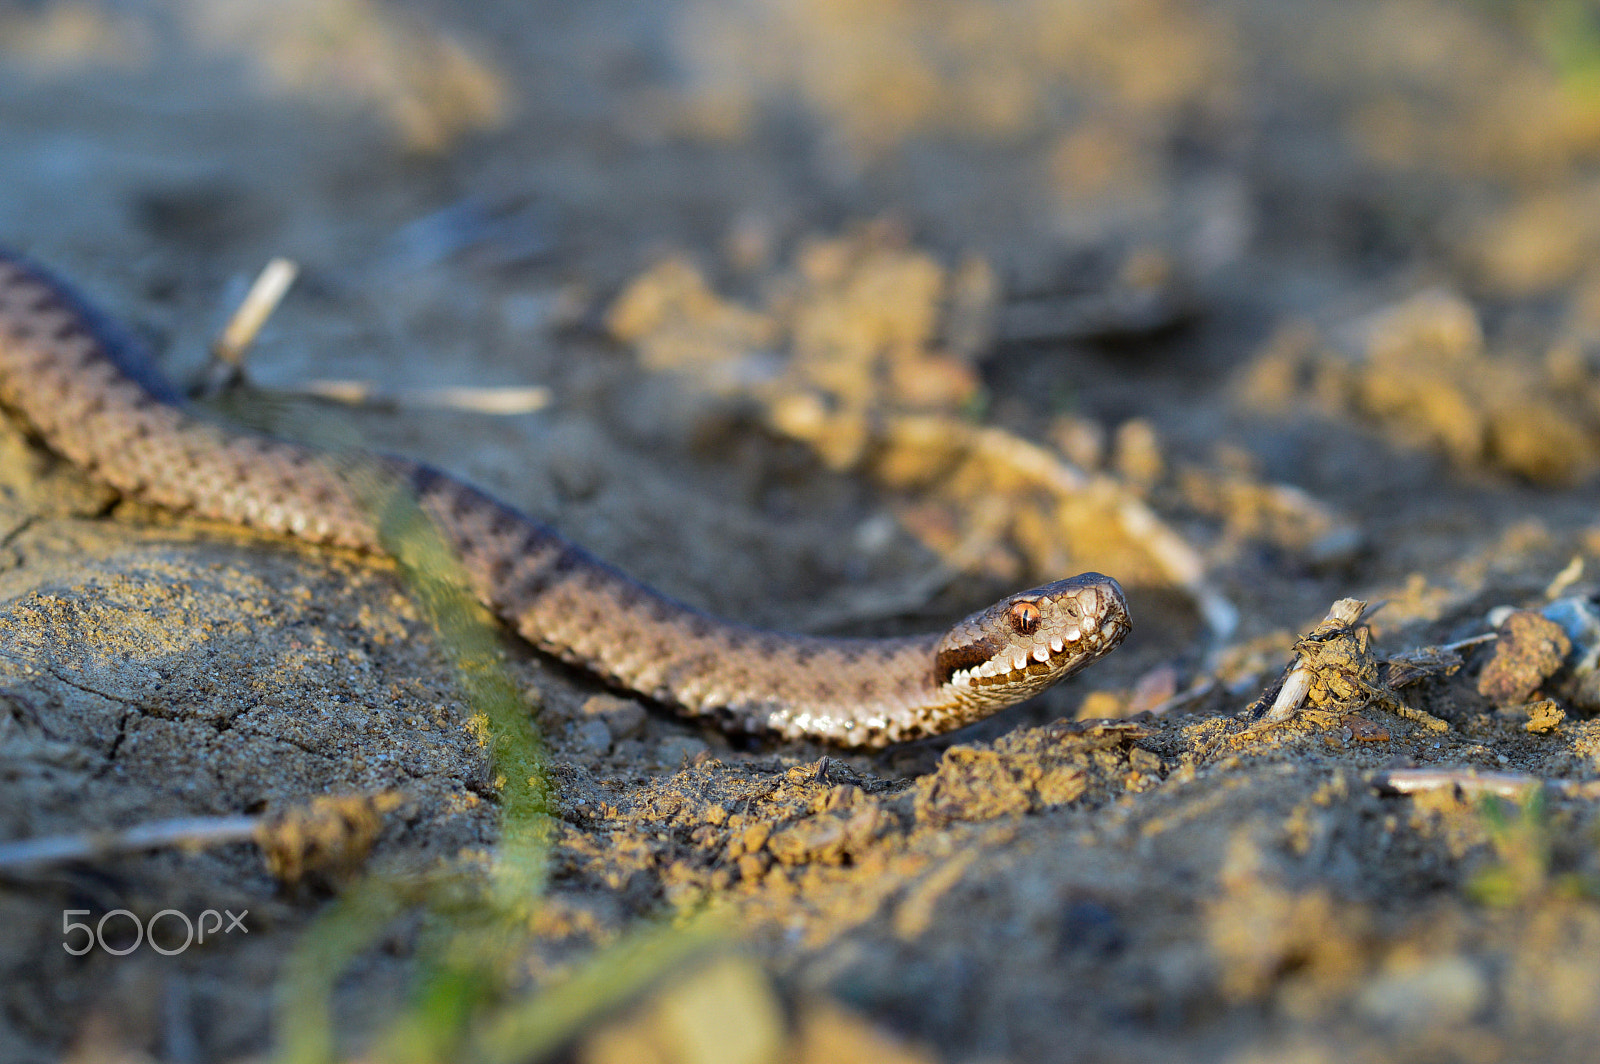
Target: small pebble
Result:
[[591, 737], [678, 750], [1363, 730], [623, 716]]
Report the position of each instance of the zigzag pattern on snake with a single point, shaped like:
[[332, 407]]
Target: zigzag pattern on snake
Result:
[[85, 394]]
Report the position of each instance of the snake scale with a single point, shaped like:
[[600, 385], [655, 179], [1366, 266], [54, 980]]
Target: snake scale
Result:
[[87, 395]]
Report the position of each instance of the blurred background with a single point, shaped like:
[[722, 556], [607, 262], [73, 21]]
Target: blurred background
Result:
[[1206, 221]]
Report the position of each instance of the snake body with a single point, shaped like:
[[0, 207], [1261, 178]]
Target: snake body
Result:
[[84, 392]]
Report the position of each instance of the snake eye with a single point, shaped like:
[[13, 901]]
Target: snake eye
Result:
[[1025, 617]]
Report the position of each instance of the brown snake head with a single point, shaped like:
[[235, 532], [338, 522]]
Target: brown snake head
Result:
[[1028, 641]]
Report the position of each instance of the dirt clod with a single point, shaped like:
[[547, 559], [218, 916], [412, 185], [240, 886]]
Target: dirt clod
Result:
[[1530, 650]]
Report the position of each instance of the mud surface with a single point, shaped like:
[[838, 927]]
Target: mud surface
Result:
[[852, 317]]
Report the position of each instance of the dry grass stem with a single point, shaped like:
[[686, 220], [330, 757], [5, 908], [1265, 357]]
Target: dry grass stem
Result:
[[186, 832], [1471, 782], [1298, 683], [499, 402], [270, 286]]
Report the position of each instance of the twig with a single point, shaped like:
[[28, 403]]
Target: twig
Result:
[[1297, 684], [252, 313], [1470, 781], [1471, 641], [271, 284], [189, 832], [496, 401], [1565, 578]]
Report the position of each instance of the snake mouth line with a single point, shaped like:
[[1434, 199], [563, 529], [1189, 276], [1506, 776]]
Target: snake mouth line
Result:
[[1058, 658]]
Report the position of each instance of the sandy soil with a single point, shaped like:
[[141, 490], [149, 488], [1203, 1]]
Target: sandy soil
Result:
[[852, 318]]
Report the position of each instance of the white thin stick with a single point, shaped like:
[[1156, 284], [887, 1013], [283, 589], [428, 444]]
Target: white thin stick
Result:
[[252, 313], [1291, 696], [1471, 781], [1472, 641], [500, 402], [1565, 578], [1417, 780], [156, 835], [1297, 685]]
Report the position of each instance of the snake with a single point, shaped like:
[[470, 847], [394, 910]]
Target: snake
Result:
[[82, 388]]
